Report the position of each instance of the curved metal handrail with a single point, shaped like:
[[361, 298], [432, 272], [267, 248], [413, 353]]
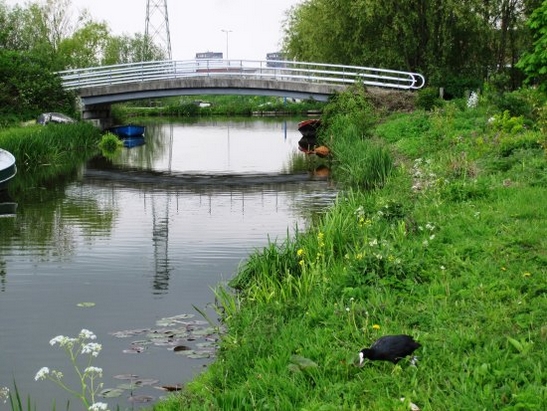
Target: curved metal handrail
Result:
[[246, 69]]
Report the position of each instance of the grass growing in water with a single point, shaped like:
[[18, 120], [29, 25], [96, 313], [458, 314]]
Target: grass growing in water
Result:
[[43, 153]]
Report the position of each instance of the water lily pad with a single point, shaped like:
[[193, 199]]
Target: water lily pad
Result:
[[140, 398], [204, 331], [175, 333], [168, 321], [111, 393], [147, 381], [134, 350], [128, 386], [129, 333], [141, 342], [181, 348], [199, 354], [86, 304], [207, 344], [126, 376]]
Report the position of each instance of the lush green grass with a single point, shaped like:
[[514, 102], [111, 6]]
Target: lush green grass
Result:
[[44, 153], [450, 247]]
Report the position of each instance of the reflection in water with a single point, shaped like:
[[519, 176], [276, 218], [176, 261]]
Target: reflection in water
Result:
[[160, 239], [144, 236], [2, 276]]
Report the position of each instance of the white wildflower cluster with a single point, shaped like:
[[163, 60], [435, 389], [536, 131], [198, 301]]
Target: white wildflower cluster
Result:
[[94, 370], [92, 348], [98, 406], [87, 335], [63, 341], [75, 347], [429, 228], [423, 176], [4, 394], [45, 372], [473, 100], [42, 374]]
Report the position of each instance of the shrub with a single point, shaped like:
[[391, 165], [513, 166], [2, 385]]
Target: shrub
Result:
[[428, 98]]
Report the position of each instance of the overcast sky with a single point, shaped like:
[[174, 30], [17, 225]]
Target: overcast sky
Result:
[[196, 25]]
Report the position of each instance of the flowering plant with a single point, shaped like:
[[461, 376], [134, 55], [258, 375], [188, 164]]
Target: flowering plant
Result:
[[89, 386], [4, 394]]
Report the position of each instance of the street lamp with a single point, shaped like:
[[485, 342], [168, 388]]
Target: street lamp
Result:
[[227, 32]]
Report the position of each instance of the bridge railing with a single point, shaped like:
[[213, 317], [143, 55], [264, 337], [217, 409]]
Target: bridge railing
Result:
[[263, 69]]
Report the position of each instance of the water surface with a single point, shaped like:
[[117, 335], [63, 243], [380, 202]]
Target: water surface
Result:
[[144, 237]]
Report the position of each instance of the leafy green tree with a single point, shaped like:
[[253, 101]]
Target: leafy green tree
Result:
[[534, 62], [85, 47], [131, 49], [455, 43], [28, 88]]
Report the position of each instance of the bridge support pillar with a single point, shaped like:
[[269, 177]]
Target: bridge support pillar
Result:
[[98, 114]]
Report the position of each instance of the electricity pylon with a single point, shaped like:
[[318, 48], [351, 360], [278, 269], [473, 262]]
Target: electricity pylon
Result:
[[156, 29]]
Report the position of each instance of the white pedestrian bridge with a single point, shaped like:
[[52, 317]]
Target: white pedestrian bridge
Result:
[[99, 87]]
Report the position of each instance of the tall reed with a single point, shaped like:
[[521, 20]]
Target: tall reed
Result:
[[367, 162]]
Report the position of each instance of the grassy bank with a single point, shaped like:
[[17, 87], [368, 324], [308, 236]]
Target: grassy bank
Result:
[[443, 238], [45, 153], [206, 106]]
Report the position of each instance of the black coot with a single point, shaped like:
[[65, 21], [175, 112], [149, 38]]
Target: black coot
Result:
[[389, 348]]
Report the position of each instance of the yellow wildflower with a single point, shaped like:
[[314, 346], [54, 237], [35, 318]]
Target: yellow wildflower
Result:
[[300, 252], [375, 327]]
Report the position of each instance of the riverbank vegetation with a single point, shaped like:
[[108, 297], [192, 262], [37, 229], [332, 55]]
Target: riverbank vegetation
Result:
[[447, 245], [45, 153], [438, 232], [213, 105]]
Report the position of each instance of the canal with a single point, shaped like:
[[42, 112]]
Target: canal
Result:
[[131, 245]]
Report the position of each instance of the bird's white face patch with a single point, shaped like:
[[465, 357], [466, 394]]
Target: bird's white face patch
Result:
[[361, 358]]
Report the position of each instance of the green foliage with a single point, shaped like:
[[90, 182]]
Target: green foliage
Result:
[[534, 62], [85, 46], [525, 102], [507, 123], [428, 99], [110, 144], [17, 403], [46, 152], [28, 88], [453, 43], [353, 106], [216, 105], [450, 250], [510, 143]]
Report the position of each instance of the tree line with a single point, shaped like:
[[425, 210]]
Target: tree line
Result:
[[40, 38], [457, 44]]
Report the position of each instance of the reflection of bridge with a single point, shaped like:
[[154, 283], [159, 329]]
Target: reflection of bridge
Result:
[[99, 87]]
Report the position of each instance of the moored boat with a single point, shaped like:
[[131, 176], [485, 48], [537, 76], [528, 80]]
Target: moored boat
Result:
[[57, 118], [309, 127], [7, 208], [8, 168], [127, 130], [130, 142]]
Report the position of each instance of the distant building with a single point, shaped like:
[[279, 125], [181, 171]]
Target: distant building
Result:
[[275, 56], [211, 61], [209, 55]]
